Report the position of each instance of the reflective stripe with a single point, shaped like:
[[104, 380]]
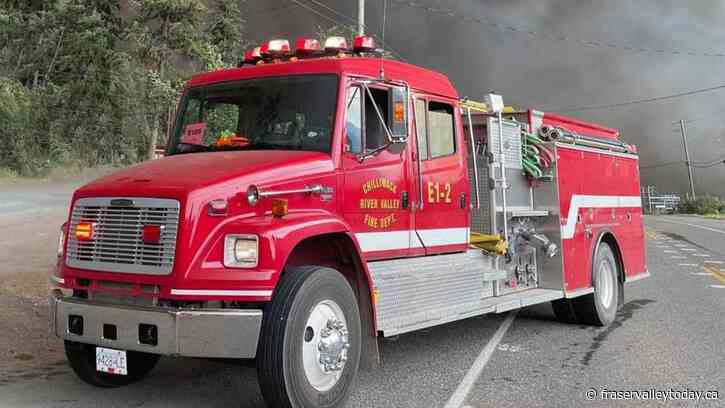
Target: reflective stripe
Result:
[[393, 240], [383, 241], [444, 236], [593, 201], [57, 280], [204, 292]]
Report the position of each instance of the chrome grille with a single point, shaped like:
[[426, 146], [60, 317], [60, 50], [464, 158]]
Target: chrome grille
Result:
[[117, 244]]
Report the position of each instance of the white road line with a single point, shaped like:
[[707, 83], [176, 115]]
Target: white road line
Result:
[[713, 262], [693, 225], [670, 251], [688, 265], [718, 286], [701, 255], [688, 249], [678, 257], [459, 396], [701, 273]]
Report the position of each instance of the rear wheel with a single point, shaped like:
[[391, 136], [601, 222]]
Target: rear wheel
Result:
[[309, 348], [600, 308], [82, 358]]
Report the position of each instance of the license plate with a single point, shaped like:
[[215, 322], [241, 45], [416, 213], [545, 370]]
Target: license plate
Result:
[[111, 361]]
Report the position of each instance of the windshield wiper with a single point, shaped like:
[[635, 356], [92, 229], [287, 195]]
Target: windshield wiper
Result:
[[268, 145], [191, 148]]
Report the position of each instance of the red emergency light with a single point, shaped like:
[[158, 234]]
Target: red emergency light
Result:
[[307, 46], [252, 56], [363, 43], [151, 234]]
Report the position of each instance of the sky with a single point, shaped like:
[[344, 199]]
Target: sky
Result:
[[560, 56]]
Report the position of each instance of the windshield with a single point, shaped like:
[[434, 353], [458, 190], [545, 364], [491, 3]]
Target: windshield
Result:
[[284, 113]]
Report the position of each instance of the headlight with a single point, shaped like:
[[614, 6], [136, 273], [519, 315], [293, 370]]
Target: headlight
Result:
[[241, 251]]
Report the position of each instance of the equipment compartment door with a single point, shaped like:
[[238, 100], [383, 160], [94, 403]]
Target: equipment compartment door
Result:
[[376, 179], [443, 199]]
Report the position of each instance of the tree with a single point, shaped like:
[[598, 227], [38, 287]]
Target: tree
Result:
[[80, 83], [171, 35]]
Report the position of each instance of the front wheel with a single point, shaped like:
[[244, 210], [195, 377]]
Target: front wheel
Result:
[[309, 348], [82, 359]]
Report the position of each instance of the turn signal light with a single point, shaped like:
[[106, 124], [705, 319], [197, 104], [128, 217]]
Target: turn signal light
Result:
[[399, 112], [279, 207], [84, 231]]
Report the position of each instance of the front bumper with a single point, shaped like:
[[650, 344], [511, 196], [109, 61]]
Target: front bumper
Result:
[[209, 333]]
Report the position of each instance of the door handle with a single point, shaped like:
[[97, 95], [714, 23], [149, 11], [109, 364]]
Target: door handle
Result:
[[463, 201], [404, 199]]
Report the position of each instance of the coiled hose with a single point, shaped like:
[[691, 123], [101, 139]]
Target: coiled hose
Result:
[[535, 156]]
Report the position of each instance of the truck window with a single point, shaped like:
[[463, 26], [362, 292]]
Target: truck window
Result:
[[421, 128], [278, 113], [375, 136], [353, 123], [441, 129]]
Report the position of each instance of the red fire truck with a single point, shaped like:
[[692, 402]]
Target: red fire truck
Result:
[[314, 200]]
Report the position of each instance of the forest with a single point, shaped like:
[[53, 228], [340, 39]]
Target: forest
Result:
[[85, 83]]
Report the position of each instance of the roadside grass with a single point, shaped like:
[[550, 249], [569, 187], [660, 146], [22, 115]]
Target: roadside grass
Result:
[[715, 216], [61, 174], [9, 174]]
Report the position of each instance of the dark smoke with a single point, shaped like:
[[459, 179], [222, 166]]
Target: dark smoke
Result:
[[543, 71]]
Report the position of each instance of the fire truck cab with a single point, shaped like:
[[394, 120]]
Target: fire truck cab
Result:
[[313, 201]]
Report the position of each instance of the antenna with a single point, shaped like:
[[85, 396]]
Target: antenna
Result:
[[385, 15]]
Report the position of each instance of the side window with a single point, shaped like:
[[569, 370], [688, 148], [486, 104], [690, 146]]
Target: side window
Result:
[[353, 125], [441, 129], [375, 136], [421, 128]]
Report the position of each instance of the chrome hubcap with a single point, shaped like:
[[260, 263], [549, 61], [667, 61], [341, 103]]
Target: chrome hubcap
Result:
[[324, 345], [605, 283]]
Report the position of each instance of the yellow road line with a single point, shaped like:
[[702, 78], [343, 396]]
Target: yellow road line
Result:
[[715, 273], [651, 233]]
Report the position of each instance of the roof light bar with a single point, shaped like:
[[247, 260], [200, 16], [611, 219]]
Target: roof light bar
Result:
[[364, 43]]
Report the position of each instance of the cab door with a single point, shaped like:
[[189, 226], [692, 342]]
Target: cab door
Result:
[[376, 201], [441, 217]]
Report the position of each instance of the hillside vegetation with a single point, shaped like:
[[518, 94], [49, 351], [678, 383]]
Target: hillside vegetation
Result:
[[89, 82]]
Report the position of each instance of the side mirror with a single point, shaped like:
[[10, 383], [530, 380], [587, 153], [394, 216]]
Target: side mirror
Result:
[[398, 114]]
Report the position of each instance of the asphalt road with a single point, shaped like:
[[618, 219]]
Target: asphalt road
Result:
[[669, 336]]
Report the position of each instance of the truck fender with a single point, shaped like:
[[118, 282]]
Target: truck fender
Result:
[[608, 236], [327, 240]]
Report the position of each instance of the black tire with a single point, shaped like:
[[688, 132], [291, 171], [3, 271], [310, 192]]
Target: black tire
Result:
[[280, 368], [82, 358], [591, 309]]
